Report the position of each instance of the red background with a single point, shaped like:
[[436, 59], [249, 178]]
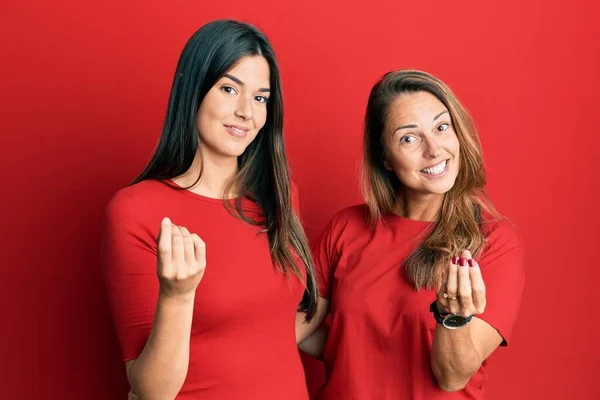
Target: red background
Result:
[[84, 91]]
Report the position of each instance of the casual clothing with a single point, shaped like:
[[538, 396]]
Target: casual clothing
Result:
[[379, 345], [243, 343]]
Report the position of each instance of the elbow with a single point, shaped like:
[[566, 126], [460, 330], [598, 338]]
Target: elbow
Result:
[[452, 382], [451, 386], [133, 395], [452, 379], [155, 389]]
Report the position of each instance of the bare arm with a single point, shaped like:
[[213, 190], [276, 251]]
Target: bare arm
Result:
[[303, 328], [161, 368], [314, 344], [457, 354], [311, 336]]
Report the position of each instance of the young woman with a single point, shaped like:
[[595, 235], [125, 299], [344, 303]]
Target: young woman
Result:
[[206, 263], [423, 281]]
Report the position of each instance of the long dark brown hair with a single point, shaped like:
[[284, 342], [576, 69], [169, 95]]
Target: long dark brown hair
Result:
[[459, 222], [263, 172]]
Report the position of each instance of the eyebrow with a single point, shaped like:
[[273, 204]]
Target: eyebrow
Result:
[[239, 82], [415, 126]]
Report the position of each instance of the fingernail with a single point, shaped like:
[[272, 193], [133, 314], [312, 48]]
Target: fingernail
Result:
[[462, 262], [166, 221], [455, 260], [471, 262]]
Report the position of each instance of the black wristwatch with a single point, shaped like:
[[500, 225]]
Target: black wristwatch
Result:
[[449, 321]]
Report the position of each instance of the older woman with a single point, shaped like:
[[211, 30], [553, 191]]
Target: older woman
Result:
[[423, 281]]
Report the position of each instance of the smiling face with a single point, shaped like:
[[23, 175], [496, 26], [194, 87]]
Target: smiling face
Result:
[[421, 146], [234, 109]]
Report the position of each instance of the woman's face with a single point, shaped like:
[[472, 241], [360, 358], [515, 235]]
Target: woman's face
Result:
[[421, 146], [235, 108]]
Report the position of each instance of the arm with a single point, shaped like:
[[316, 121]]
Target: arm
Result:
[[310, 339], [458, 354], [303, 328], [314, 345], [161, 368], [162, 350]]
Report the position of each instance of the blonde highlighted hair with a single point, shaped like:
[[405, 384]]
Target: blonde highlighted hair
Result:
[[458, 225]]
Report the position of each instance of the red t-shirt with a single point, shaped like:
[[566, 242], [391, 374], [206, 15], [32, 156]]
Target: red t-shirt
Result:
[[243, 343], [381, 334]]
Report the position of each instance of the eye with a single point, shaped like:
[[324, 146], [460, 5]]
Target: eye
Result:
[[443, 127], [228, 89], [261, 99], [408, 139]]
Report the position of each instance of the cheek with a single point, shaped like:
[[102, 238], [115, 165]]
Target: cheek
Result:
[[456, 151], [214, 108], [404, 164], [260, 117], [405, 169], [454, 145]]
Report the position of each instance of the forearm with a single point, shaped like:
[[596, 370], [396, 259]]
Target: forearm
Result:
[[454, 358], [304, 328], [161, 368], [314, 344]]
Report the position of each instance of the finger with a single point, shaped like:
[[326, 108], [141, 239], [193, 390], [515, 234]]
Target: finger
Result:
[[200, 251], [464, 288], [164, 243], [452, 288], [477, 287], [188, 246], [466, 254], [178, 250]]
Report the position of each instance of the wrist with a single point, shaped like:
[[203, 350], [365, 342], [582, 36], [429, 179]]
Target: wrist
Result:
[[177, 299], [448, 320]]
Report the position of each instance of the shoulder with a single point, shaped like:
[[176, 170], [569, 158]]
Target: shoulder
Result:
[[132, 201], [353, 217], [502, 230], [502, 236]]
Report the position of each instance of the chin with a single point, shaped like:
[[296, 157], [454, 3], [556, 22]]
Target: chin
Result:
[[441, 187], [233, 151]]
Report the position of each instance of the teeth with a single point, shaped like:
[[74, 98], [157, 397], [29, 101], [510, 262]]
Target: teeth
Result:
[[238, 130], [438, 169]]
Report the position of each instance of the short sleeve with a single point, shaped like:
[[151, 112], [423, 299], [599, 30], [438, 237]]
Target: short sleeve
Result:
[[503, 270], [324, 255], [129, 271]]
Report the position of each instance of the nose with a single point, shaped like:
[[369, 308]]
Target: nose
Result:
[[432, 148], [244, 108]]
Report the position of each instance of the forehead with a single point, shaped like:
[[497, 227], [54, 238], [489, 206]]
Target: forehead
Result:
[[252, 71], [414, 108]]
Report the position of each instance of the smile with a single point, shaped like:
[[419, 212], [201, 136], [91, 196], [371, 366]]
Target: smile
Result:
[[237, 131], [436, 169]]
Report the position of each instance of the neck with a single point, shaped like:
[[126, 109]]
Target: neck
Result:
[[217, 173], [420, 207]]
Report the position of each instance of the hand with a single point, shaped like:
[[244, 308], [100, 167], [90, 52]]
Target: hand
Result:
[[462, 290], [181, 260]]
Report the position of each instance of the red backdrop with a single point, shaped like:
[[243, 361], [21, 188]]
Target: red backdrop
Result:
[[83, 94]]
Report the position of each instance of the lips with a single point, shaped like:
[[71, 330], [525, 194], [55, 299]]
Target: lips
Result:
[[237, 131]]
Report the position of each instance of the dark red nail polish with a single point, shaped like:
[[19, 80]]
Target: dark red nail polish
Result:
[[455, 260], [471, 262], [462, 262]]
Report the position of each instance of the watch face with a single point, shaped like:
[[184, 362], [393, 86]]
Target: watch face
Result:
[[455, 321]]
